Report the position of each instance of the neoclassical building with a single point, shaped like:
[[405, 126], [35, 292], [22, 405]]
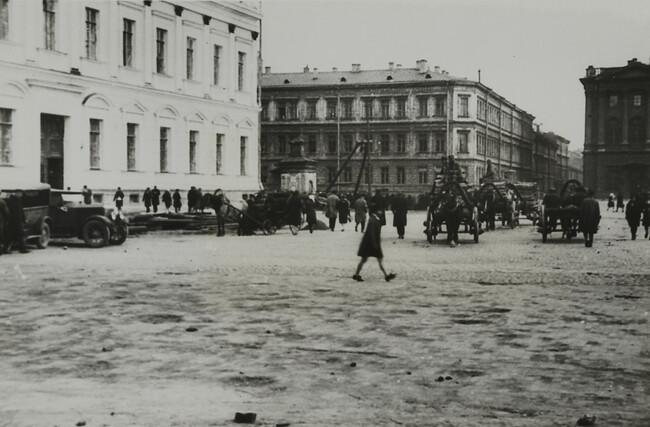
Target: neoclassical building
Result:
[[617, 142], [129, 93], [413, 116]]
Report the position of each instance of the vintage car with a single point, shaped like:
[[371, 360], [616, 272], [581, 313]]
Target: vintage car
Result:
[[62, 214]]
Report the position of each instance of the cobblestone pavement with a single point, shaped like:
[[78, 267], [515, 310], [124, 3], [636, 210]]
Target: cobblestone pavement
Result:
[[186, 330]]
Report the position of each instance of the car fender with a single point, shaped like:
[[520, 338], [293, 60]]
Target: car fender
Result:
[[100, 218]]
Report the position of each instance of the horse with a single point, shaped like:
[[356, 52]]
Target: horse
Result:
[[222, 208]]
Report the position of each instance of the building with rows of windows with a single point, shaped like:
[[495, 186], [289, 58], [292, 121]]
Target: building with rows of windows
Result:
[[413, 116], [617, 142], [129, 93]]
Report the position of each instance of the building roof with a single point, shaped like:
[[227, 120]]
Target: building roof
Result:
[[333, 78], [634, 69]]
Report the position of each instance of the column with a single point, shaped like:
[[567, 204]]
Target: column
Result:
[[602, 99], [149, 56]]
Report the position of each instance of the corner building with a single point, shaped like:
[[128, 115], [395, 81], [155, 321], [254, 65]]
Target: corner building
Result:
[[413, 116], [617, 142], [129, 93]]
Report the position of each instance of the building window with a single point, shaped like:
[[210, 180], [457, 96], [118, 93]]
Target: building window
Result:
[[282, 144], [384, 144], [347, 109], [423, 104], [463, 142], [91, 33], [423, 176], [331, 174], [401, 175], [481, 109], [384, 175], [265, 110], [161, 42], [4, 19], [264, 145], [480, 144], [311, 143], [385, 108], [612, 131], [189, 58], [49, 15], [311, 109], [128, 28], [613, 100], [242, 155], [423, 143], [194, 136], [287, 110], [440, 143], [164, 148], [400, 112], [5, 136], [347, 143], [367, 108], [331, 109], [347, 174], [216, 64], [637, 131], [131, 140], [636, 100], [401, 143], [331, 143], [219, 157], [95, 135], [441, 102], [463, 106], [241, 71]]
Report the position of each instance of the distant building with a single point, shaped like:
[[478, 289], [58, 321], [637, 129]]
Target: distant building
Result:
[[551, 161], [617, 143], [413, 116], [129, 93], [575, 166]]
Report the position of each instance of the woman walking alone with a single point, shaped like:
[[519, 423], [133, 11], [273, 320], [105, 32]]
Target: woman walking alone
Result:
[[371, 245]]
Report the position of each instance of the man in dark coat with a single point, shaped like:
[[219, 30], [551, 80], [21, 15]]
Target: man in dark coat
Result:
[[310, 213], [400, 211], [146, 198], [155, 198], [191, 199], [551, 200], [633, 215], [16, 223], [620, 204], [371, 246], [176, 197], [294, 211], [118, 198], [589, 217], [167, 200], [87, 194], [343, 206]]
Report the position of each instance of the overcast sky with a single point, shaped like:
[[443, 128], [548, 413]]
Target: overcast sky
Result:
[[530, 51]]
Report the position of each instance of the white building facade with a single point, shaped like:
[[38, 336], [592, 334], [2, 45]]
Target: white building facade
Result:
[[110, 93]]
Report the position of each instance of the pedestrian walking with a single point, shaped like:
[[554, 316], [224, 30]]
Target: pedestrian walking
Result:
[[343, 206], [155, 198], [620, 204], [310, 212], [294, 212], [589, 217], [331, 210], [198, 196], [400, 210], [610, 201], [167, 200], [633, 215], [645, 208], [87, 194], [118, 198], [191, 199], [371, 246], [178, 204], [146, 198], [360, 213]]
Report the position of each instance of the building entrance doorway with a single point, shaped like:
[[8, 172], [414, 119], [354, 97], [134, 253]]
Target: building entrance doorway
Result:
[[52, 127]]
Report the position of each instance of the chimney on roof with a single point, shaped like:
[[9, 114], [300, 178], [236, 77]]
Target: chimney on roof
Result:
[[391, 66], [356, 68], [632, 61], [306, 69], [398, 66], [436, 69], [591, 71], [422, 65], [267, 70], [334, 69], [444, 72]]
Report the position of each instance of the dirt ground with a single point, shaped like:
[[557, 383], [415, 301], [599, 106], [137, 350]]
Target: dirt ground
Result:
[[177, 329]]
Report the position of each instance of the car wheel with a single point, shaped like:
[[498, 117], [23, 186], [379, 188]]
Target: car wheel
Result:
[[119, 235], [44, 238], [96, 234]]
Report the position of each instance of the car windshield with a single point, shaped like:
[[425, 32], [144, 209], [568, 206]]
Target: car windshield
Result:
[[62, 198]]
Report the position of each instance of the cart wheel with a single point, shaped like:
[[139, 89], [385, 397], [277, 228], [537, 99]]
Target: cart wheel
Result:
[[475, 223], [268, 227]]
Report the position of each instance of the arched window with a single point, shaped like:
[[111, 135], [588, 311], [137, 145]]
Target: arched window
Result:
[[636, 131], [612, 132]]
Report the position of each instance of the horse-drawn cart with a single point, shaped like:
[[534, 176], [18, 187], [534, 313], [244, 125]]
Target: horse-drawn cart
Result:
[[452, 206], [567, 211]]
